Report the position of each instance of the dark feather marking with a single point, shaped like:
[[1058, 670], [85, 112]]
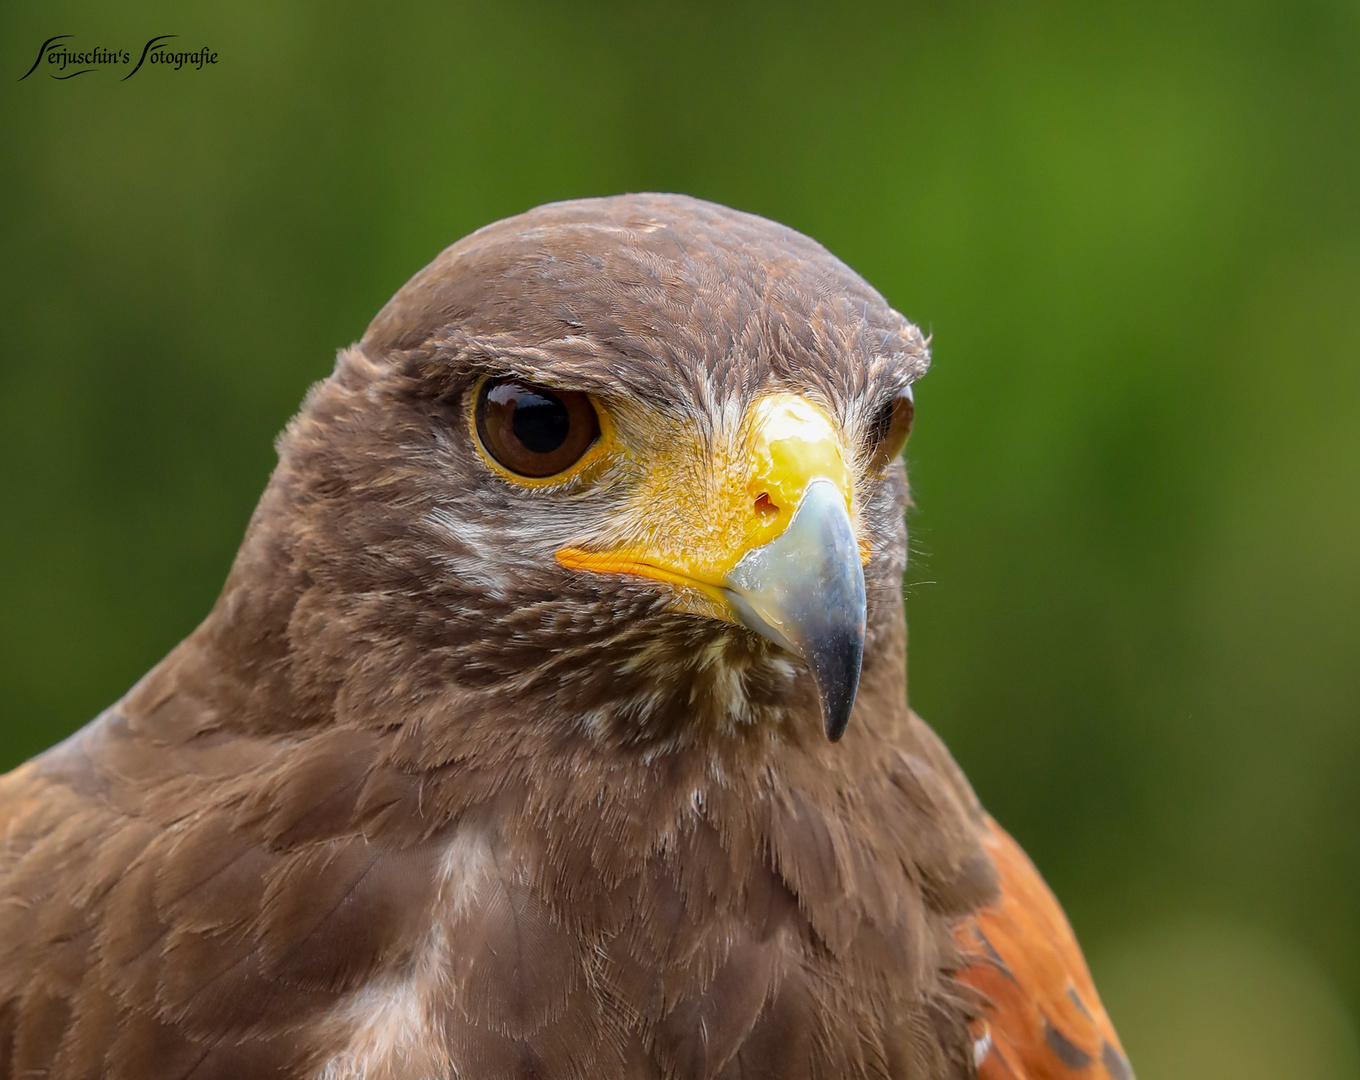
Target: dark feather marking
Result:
[[1066, 1051], [1044, 1019], [995, 958], [199, 882], [1116, 1064], [1076, 1000]]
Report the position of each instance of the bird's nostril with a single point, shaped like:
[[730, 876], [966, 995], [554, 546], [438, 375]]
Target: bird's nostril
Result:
[[764, 506]]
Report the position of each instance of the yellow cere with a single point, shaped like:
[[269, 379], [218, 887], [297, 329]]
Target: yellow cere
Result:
[[792, 443], [700, 509]]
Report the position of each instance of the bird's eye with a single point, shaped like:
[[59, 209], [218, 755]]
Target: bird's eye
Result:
[[533, 431], [888, 434]]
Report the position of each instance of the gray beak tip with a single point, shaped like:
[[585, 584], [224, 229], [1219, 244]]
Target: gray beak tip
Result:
[[805, 591], [835, 657]]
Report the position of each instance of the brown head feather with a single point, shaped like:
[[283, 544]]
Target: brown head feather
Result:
[[416, 799]]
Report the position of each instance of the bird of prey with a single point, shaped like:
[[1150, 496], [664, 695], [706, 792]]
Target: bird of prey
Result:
[[552, 722]]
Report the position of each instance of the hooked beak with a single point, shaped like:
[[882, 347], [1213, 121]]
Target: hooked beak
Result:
[[804, 590], [779, 555]]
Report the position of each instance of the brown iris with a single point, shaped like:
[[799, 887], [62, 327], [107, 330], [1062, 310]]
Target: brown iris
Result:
[[534, 431], [891, 428]]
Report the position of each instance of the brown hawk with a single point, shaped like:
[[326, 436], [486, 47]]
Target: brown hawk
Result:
[[513, 746]]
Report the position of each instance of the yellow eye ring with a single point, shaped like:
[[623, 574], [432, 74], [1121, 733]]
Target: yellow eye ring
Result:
[[536, 436]]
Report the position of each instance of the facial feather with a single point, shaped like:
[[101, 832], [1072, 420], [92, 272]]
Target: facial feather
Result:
[[478, 813]]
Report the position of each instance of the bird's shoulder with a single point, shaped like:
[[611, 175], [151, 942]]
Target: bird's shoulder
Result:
[[1042, 1018], [191, 905]]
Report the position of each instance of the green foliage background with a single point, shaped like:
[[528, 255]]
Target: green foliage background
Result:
[[1134, 231]]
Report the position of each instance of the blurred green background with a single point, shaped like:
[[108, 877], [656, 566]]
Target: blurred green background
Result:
[[1133, 231]]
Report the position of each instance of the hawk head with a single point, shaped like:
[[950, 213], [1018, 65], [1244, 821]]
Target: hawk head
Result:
[[630, 459]]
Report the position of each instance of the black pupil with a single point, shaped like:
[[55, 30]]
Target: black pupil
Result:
[[540, 422]]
